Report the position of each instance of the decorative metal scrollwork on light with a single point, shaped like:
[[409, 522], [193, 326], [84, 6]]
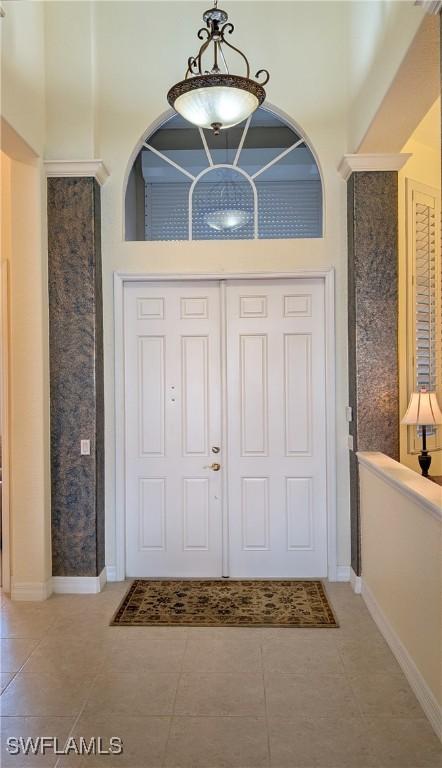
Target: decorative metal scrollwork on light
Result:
[[215, 98]]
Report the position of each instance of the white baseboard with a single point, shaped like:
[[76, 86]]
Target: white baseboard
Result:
[[31, 590], [356, 582], [111, 573], [425, 696], [343, 573], [79, 585]]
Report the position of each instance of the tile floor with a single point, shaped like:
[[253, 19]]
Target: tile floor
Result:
[[208, 698]]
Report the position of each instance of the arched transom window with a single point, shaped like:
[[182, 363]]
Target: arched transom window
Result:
[[255, 180]]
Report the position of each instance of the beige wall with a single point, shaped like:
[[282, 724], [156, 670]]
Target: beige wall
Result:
[[23, 102], [401, 565], [379, 34], [424, 166], [131, 96], [70, 80], [102, 82], [29, 492], [23, 130]]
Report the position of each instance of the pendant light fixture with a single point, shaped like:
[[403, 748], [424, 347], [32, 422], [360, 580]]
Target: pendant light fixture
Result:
[[216, 98], [226, 200], [228, 220]]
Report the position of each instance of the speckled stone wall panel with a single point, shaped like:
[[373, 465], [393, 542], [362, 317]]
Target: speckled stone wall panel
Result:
[[76, 376], [372, 324]]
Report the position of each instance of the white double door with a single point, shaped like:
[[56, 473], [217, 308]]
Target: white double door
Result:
[[225, 428]]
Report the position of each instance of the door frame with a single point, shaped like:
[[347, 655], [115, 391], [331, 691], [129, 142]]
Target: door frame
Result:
[[327, 274]]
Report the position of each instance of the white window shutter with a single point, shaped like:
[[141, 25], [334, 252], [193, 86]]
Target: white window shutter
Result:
[[425, 298]]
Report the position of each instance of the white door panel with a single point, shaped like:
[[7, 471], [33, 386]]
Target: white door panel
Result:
[[274, 451], [276, 428], [173, 396]]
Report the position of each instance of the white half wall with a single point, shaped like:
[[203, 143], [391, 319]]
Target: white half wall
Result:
[[401, 514]]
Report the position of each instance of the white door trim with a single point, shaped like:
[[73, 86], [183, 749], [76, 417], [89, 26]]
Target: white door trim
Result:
[[120, 278]]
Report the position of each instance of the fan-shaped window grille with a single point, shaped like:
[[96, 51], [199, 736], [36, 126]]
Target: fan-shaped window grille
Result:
[[255, 180]]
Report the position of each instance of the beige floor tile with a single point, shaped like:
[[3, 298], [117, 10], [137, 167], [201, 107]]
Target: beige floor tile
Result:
[[66, 656], [81, 627], [355, 616], [405, 743], [45, 695], [295, 634], [298, 656], [386, 695], [145, 653], [297, 696], [26, 624], [146, 694], [140, 634], [22, 607], [315, 679], [31, 727], [5, 679], [14, 652], [321, 743], [217, 742], [232, 694], [143, 740], [341, 593], [366, 655], [222, 651]]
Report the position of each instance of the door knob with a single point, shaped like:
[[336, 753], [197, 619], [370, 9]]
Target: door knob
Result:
[[214, 467]]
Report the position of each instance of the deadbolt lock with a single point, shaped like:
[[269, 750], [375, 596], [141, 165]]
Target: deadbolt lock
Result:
[[215, 449]]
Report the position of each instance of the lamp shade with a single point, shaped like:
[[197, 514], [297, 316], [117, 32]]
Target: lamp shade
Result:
[[231, 218], [423, 409], [220, 105]]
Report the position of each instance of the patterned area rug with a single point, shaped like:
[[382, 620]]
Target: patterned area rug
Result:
[[225, 603]]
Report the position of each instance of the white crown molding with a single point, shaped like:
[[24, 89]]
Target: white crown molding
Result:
[[79, 585], [433, 7], [77, 168], [31, 590], [414, 676], [371, 162]]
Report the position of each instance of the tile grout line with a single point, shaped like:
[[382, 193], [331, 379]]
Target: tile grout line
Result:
[[362, 715], [77, 718], [265, 702], [180, 675], [14, 674], [40, 641]]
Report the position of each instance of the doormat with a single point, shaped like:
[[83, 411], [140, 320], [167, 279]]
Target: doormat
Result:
[[225, 603]]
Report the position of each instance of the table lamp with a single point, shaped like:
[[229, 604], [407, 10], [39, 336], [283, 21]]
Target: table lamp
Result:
[[423, 411]]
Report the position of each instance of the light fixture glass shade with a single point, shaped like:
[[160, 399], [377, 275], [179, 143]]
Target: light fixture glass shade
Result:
[[227, 220], [217, 105], [423, 409]]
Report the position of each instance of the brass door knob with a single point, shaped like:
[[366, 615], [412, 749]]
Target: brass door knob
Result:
[[214, 467]]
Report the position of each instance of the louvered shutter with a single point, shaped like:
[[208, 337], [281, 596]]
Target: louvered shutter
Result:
[[286, 209], [425, 251]]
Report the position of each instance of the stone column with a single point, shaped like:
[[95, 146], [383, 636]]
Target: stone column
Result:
[[372, 221], [76, 368]]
